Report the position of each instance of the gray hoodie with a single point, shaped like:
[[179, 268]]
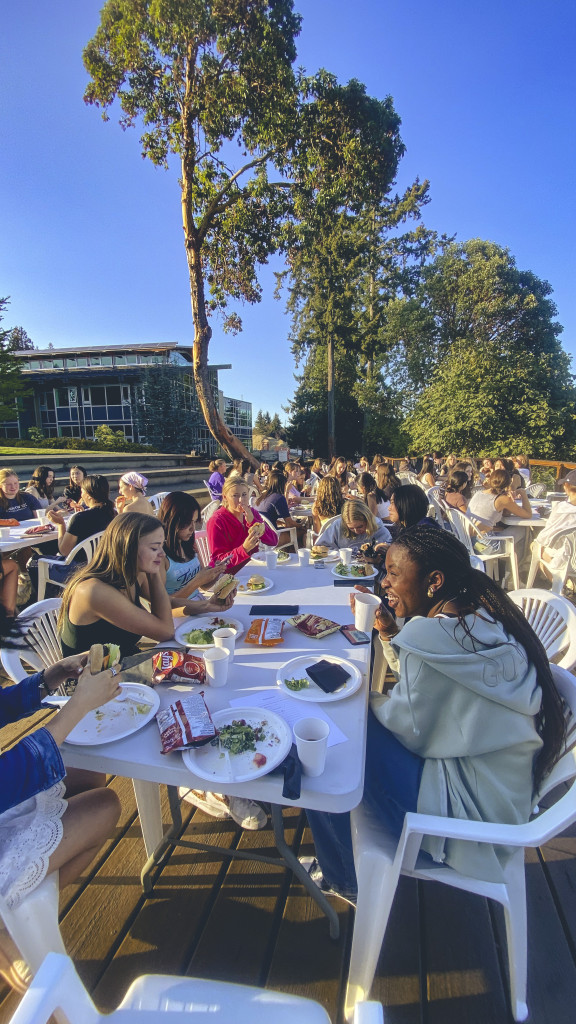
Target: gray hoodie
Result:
[[466, 704]]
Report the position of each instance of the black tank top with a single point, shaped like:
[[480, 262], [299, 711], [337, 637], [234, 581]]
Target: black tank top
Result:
[[76, 639]]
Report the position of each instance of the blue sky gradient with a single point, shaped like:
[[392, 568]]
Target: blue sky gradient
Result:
[[92, 249]]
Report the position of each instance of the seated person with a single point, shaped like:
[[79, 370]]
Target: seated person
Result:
[[236, 529], [132, 488], [8, 584], [373, 496], [328, 504], [293, 483], [426, 474], [272, 504], [458, 490], [75, 480], [216, 479], [470, 751], [15, 503], [355, 526], [341, 473], [179, 514], [41, 487], [548, 544], [409, 507]]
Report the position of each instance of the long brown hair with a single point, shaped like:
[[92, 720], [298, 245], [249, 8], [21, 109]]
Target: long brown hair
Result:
[[176, 513], [438, 550], [115, 560], [38, 480]]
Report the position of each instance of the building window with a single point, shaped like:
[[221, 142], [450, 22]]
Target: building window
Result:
[[106, 360], [120, 360], [98, 396], [62, 397]]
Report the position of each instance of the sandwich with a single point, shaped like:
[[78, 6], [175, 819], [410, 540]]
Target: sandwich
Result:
[[103, 656], [319, 551], [256, 583], [258, 528], [223, 587]]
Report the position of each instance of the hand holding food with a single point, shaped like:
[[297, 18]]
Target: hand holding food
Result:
[[67, 668], [55, 517], [94, 690], [102, 657], [253, 538]]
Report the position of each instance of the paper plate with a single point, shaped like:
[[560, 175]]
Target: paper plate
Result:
[[296, 669], [332, 556], [205, 622], [209, 762], [244, 590], [260, 559], [346, 572], [117, 718]]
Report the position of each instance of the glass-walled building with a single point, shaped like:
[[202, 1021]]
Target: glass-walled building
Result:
[[146, 391]]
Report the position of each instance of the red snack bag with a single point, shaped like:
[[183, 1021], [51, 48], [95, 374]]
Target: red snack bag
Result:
[[186, 723], [178, 667]]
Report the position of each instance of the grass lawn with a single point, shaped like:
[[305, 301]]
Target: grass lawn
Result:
[[47, 452]]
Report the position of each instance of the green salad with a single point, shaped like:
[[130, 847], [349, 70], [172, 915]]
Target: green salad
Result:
[[204, 636], [296, 684], [239, 736]]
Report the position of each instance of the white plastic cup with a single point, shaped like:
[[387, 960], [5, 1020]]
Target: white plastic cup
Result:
[[303, 556], [4, 532], [346, 554], [365, 608], [216, 661], [311, 735], [225, 639], [40, 514], [271, 559]]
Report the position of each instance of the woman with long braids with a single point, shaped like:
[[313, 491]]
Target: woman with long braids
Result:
[[474, 722]]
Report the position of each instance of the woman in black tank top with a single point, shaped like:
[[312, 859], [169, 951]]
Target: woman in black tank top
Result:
[[101, 602]]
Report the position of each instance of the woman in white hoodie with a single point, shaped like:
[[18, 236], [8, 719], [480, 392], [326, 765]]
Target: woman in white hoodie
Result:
[[474, 721]]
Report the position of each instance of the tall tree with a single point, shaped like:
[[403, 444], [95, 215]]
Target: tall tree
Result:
[[19, 340], [12, 385], [213, 83]]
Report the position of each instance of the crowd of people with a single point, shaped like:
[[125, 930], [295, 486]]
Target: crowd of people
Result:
[[440, 623]]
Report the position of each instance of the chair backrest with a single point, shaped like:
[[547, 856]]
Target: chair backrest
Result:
[[88, 546], [536, 490], [460, 527], [40, 633], [209, 510], [553, 619], [270, 526], [434, 495], [202, 547], [157, 499]]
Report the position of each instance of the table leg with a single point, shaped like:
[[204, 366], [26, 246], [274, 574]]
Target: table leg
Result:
[[148, 803], [292, 862]]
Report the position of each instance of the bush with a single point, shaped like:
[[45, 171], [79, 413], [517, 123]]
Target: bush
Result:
[[116, 443]]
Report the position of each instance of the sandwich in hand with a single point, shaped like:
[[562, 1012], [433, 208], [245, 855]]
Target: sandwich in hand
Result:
[[103, 656], [223, 587]]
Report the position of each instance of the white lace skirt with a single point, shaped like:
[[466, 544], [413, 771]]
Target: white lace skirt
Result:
[[29, 834]]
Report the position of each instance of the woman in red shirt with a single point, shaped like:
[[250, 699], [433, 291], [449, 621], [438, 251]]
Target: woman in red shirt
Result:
[[236, 529]]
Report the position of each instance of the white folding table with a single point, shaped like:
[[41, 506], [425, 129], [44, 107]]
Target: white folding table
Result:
[[338, 789]]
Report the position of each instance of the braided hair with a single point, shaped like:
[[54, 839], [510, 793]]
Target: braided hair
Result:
[[436, 550]]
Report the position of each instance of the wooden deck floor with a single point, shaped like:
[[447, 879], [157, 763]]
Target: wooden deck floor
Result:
[[248, 922]]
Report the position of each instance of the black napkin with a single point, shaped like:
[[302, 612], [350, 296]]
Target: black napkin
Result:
[[328, 676], [292, 771]]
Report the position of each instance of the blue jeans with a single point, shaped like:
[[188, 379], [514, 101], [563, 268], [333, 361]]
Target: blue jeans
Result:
[[391, 785]]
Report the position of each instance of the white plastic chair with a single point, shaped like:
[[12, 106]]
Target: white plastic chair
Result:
[[553, 619], [209, 510], [536, 490], [434, 495], [559, 574], [202, 547], [467, 532], [157, 499], [42, 642], [380, 860], [57, 986], [88, 546], [33, 925]]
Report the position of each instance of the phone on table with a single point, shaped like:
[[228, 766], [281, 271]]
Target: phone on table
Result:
[[354, 636]]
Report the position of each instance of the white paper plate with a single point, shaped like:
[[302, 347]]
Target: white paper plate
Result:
[[244, 591], [350, 575], [208, 762], [204, 622], [117, 718], [296, 669]]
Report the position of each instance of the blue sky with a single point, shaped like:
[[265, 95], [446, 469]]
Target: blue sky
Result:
[[91, 240]]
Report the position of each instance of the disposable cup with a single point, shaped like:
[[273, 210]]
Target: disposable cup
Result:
[[40, 514], [365, 608], [271, 559], [304, 556], [311, 735], [346, 554], [4, 532], [216, 661], [225, 639]]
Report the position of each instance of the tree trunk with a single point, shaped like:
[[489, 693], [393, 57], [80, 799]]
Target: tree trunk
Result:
[[330, 389], [202, 335]]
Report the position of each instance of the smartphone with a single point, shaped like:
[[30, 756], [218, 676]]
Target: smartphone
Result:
[[354, 636], [274, 609]]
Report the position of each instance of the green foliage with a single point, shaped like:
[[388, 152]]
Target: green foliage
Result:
[[36, 436], [79, 444], [12, 385], [19, 340], [167, 413], [308, 424]]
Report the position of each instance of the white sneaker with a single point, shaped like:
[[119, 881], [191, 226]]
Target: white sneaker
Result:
[[245, 813]]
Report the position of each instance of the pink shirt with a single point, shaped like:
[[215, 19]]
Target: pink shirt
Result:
[[226, 536]]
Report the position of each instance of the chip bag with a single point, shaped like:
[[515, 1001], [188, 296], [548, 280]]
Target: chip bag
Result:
[[186, 723], [314, 625], [178, 667], [265, 632]]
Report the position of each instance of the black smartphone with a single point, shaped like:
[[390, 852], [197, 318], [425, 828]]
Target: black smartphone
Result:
[[354, 636], [274, 609], [353, 581]]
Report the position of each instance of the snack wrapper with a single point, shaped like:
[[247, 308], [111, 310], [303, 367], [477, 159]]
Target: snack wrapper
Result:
[[178, 667], [186, 723], [265, 632], [34, 531], [314, 625]]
